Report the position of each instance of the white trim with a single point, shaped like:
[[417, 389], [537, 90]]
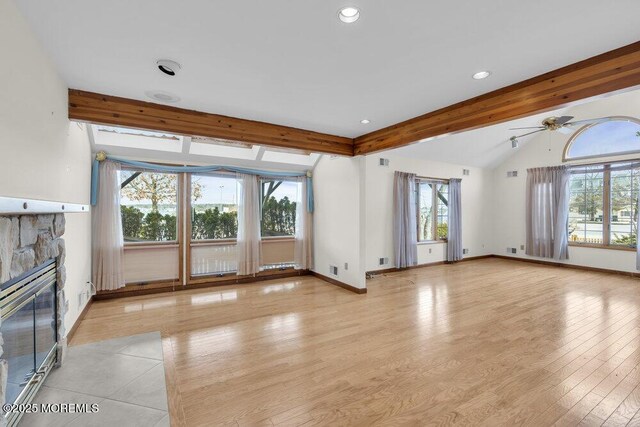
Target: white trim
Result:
[[18, 206]]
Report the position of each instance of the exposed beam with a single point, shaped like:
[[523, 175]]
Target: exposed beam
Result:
[[612, 71], [115, 111]]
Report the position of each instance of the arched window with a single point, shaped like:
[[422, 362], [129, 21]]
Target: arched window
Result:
[[613, 137]]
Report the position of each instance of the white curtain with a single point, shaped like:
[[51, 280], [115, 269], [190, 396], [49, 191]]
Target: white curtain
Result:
[[454, 228], [303, 252], [248, 245], [548, 212], [108, 243], [405, 220]]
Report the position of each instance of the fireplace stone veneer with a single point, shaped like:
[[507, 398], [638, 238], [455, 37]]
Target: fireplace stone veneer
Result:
[[27, 241]]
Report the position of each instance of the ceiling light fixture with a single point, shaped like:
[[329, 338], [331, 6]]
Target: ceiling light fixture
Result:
[[168, 66], [349, 14], [481, 75], [514, 142], [166, 97], [365, 121]]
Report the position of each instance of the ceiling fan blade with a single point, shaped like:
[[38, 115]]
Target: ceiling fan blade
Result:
[[530, 127], [588, 122], [563, 119], [535, 131]]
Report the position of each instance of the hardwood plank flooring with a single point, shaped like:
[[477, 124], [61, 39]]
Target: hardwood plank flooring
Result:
[[487, 342]]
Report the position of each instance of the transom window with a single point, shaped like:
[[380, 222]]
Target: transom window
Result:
[[433, 209], [603, 207], [614, 136]]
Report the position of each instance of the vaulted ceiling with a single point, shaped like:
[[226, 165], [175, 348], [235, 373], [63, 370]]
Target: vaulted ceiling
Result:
[[293, 63]]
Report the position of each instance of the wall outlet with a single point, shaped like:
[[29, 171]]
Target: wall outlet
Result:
[[346, 265], [465, 251], [465, 172], [384, 162], [383, 261], [512, 250], [429, 250], [333, 270], [512, 174]]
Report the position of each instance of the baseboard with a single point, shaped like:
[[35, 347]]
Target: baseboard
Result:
[[76, 324], [339, 283], [563, 265], [214, 283], [429, 264]]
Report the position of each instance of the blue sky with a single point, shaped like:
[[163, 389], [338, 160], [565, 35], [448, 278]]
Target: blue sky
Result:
[[605, 138]]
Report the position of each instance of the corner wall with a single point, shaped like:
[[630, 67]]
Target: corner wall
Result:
[[337, 218], [44, 156]]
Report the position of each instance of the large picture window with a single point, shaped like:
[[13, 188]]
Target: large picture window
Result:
[[603, 208], [214, 207], [433, 210], [279, 199], [148, 204]]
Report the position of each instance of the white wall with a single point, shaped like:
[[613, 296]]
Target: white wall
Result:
[[476, 198], [44, 156], [337, 220], [546, 150]]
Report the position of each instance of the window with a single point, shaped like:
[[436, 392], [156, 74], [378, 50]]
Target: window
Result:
[[612, 137], [148, 206], [279, 199], [214, 207], [603, 205], [433, 209]]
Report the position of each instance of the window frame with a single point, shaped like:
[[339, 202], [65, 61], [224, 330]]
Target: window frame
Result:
[[434, 213], [179, 215], [579, 132], [606, 205]]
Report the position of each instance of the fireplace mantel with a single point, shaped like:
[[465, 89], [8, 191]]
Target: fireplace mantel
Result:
[[21, 206]]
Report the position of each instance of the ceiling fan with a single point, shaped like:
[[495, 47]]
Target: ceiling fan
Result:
[[562, 124]]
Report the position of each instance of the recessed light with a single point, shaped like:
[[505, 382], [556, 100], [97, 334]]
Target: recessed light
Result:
[[168, 66], [365, 121], [349, 14], [481, 75], [159, 95]]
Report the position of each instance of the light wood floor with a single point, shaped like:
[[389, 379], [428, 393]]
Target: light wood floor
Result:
[[487, 342]]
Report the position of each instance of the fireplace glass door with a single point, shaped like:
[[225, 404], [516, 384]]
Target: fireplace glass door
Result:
[[17, 331]]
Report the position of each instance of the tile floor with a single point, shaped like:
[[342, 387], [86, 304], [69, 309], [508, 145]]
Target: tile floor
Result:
[[124, 376]]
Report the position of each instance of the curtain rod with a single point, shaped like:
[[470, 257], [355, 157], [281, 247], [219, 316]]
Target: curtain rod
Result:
[[432, 179]]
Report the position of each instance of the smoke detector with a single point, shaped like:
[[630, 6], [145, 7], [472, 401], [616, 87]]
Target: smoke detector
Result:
[[168, 66]]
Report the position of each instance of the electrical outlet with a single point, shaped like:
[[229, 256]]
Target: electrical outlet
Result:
[[383, 261], [333, 270], [465, 172], [384, 162], [429, 250], [465, 251], [346, 266], [512, 250]]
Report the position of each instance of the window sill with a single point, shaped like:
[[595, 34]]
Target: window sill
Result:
[[594, 246], [431, 242], [150, 245]]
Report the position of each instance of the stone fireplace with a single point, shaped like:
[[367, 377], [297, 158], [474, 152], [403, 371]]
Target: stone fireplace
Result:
[[26, 243]]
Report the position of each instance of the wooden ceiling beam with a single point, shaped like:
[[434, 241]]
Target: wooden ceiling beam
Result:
[[612, 71], [115, 111]]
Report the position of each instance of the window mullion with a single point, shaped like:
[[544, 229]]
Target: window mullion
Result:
[[434, 211], [606, 217]]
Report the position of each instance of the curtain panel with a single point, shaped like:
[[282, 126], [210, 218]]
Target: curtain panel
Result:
[[248, 241], [107, 242], [454, 228], [547, 212], [303, 249], [405, 220]]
